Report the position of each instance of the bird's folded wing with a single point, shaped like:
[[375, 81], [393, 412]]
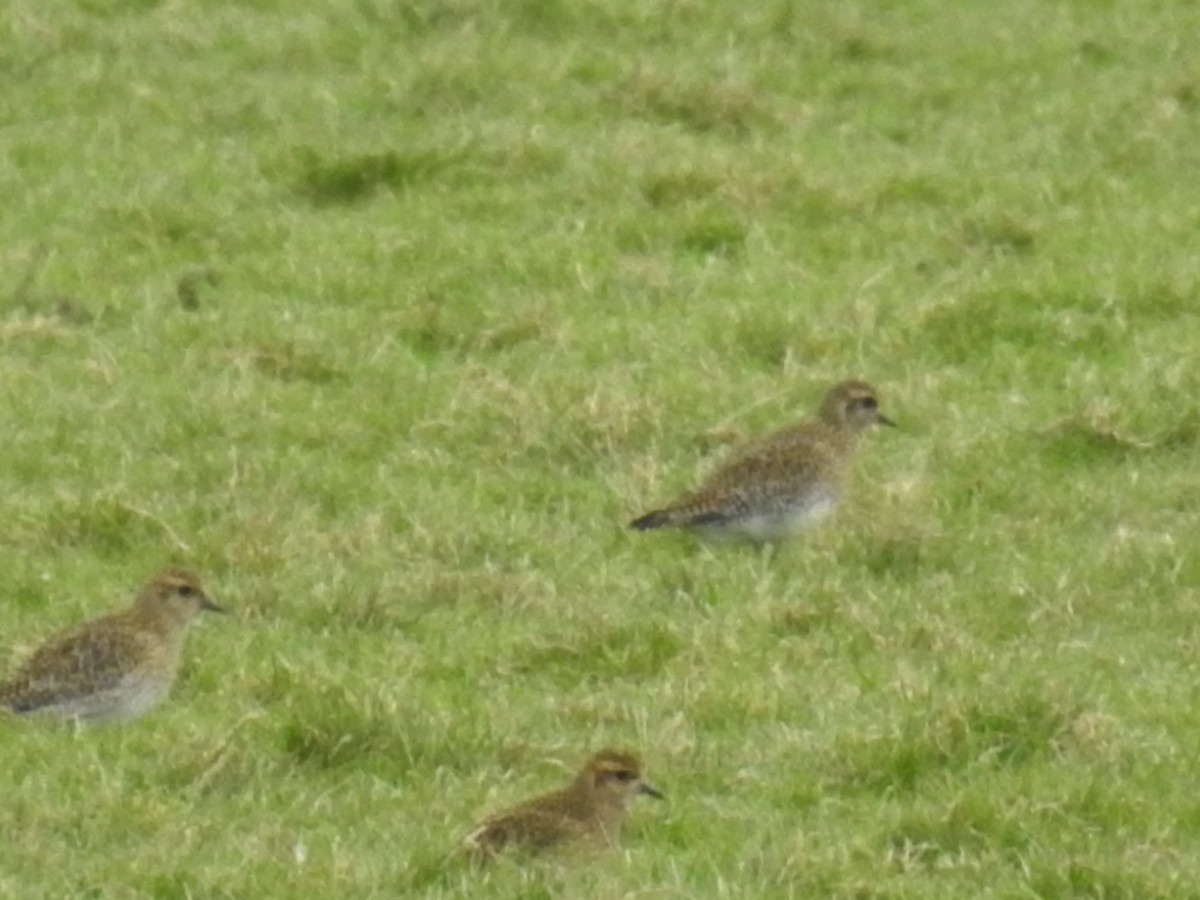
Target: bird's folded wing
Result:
[[75, 664], [528, 829]]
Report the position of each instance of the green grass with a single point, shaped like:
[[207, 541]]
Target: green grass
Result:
[[388, 316]]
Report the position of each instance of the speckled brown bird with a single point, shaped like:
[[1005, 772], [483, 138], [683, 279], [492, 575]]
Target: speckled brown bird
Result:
[[585, 815], [783, 482], [115, 667]]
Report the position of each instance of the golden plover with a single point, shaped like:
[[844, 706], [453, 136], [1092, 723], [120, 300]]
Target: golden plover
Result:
[[117, 666], [783, 482], [586, 815]]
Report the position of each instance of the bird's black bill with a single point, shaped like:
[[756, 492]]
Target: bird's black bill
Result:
[[884, 420], [207, 604], [653, 792]]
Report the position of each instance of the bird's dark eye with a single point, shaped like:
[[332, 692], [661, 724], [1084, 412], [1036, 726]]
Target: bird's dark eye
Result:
[[868, 403], [186, 590], [624, 775]]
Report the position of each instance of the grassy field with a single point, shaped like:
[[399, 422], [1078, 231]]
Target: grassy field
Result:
[[388, 316]]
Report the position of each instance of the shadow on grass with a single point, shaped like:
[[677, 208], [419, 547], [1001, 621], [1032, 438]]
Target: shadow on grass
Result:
[[331, 727], [1074, 442], [1009, 733], [627, 651], [335, 180], [348, 179]]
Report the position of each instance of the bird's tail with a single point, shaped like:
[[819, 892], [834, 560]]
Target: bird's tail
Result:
[[657, 519], [683, 515]]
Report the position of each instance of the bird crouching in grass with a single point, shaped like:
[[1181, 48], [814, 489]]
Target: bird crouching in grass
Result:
[[585, 815]]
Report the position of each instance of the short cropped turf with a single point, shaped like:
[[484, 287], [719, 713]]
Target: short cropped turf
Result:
[[387, 317]]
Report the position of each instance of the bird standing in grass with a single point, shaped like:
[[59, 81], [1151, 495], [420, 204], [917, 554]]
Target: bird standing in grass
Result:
[[784, 482], [586, 815], [115, 667]]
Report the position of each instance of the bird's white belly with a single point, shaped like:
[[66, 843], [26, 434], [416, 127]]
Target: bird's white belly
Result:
[[779, 522], [775, 525], [130, 699]]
